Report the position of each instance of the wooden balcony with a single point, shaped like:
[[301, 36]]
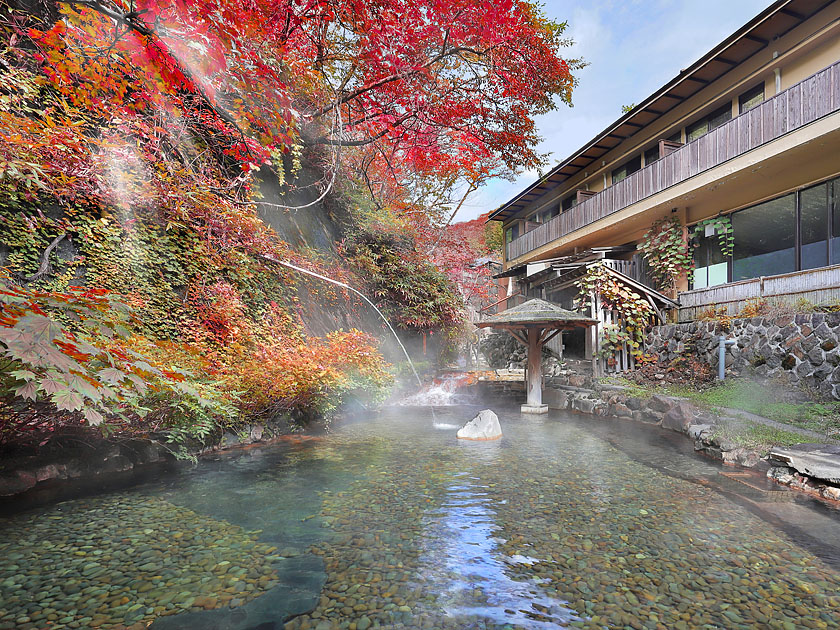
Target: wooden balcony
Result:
[[795, 107]]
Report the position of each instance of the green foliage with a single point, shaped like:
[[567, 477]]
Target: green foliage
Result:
[[494, 237], [667, 252], [723, 228], [407, 287], [756, 436], [634, 312]]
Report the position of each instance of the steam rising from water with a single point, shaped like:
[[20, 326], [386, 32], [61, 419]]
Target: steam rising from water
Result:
[[442, 392]]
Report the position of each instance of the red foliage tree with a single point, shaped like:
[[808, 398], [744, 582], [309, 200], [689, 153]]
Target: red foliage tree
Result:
[[436, 86]]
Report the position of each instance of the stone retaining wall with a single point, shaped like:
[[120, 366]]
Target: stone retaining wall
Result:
[[95, 457], [801, 349]]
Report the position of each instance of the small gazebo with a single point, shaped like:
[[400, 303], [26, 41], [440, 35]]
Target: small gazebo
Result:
[[532, 324]]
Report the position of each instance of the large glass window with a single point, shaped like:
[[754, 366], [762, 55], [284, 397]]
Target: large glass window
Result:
[[570, 202], [710, 266], [813, 226], [765, 239], [628, 168], [651, 155], [834, 200]]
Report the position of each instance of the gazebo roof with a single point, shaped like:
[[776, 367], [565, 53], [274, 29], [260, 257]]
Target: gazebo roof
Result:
[[538, 314]]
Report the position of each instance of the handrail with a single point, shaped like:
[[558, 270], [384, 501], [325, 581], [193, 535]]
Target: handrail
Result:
[[789, 110]]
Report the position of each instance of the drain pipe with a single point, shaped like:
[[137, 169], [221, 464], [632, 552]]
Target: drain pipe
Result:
[[722, 343]]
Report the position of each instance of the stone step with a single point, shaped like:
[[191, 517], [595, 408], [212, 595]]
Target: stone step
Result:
[[820, 461]]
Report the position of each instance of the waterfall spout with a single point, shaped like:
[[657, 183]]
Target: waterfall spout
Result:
[[360, 294]]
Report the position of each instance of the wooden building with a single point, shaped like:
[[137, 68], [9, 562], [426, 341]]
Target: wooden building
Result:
[[750, 132]]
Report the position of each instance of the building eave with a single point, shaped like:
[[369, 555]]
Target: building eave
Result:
[[754, 36]]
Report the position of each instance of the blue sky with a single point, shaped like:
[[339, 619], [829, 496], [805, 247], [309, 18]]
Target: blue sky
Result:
[[633, 47]]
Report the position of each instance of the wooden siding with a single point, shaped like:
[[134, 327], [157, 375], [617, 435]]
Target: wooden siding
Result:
[[799, 105], [818, 286]]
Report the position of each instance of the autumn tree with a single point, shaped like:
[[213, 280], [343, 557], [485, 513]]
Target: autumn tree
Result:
[[445, 89], [138, 134]]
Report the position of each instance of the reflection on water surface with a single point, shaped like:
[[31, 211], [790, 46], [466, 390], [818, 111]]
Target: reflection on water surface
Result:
[[392, 522]]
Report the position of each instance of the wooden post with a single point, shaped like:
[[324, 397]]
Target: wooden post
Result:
[[592, 334], [533, 403]]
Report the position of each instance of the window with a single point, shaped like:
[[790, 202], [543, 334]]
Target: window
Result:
[[570, 202], [694, 131], [796, 232], [710, 266], [751, 98], [512, 233], [706, 124], [628, 168], [719, 117], [813, 226], [765, 239], [549, 214]]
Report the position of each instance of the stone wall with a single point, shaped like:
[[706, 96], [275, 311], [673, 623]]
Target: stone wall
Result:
[[502, 351], [87, 457], [801, 349]]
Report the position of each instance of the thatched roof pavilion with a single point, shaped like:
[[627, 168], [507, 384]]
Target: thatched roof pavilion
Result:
[[533, 323]]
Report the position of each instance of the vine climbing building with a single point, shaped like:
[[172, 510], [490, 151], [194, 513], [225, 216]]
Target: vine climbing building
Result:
[[741, 151]]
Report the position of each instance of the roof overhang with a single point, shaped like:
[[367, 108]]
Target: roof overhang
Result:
[[537, 313], [754, 36]]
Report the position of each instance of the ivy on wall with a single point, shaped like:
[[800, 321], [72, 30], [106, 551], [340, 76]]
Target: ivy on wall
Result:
[[722, 226], [667, 252], [634, 313]]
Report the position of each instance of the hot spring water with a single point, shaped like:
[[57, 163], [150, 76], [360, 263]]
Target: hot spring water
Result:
[[387, 522]]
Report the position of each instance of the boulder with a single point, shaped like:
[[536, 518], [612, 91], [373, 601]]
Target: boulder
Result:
[[16, 483], [660, 403], [485, 426], [699, 430], [679, 417]]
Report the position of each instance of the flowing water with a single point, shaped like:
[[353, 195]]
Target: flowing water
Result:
[[391, 522]]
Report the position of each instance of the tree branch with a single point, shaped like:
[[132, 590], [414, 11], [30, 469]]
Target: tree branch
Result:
[[45, 260], [443, 54]]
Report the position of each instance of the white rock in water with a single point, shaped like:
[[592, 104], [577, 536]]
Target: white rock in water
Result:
[[485, 426]]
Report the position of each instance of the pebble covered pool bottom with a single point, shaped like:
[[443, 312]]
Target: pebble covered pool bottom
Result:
[[391, 522]]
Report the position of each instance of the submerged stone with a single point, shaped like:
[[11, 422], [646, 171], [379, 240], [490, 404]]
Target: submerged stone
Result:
[[485, 426]]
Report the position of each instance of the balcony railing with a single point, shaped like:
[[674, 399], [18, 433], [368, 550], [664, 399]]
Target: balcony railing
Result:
[[795, 107]]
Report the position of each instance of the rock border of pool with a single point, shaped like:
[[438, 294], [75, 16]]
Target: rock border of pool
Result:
[[680, 415], [117, 462]]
